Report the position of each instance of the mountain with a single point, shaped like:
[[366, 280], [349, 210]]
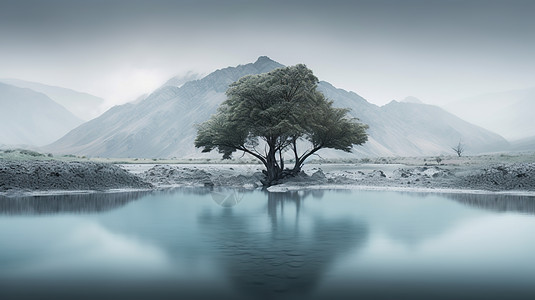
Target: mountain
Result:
[[163, 123], [411, 99], [509, 114], [179, 80], [31, 118], [427, 129], [525, 144], [412, 129], [82, 105]]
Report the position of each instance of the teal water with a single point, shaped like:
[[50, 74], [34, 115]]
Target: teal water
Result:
[[232, 244]]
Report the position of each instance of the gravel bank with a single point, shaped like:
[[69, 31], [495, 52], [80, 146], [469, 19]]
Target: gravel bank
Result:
[[494, 178], [497, 177], [25, 176], [519, 176], [45, 176], [203, 175]]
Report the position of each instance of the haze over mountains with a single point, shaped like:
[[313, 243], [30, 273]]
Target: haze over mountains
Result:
[[84, 106], [163, 123], [31, 118], [509, 114], [412, 129]]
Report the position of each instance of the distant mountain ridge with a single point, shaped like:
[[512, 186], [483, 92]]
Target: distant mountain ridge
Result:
[[163, 123], [411, 99], [31, 118], [525, 144], [507, 113], [84, 106], [412, 129]]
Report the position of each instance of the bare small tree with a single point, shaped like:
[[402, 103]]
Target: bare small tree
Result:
[[459, 149]]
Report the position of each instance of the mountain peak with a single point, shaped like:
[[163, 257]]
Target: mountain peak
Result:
[[266, 64], [264, 59]]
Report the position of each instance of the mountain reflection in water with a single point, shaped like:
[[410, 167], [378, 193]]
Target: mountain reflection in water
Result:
[[497, 202], [73, 203], [186, 243]]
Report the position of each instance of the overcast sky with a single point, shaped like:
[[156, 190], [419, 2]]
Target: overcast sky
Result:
[[438, 51]]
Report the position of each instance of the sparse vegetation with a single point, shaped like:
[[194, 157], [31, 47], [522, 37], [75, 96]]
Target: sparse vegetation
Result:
[[459, 149], [30, 153]]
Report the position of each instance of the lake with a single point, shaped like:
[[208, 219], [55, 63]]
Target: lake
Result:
[[198, 243]]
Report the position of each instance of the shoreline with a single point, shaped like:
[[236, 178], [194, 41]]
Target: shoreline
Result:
[[284, 188], [38, 178], [273, 189], [44, 193], [513, 179], [49, 177]]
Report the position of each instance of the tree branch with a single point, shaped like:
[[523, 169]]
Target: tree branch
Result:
[[304, 157], [258, 156]]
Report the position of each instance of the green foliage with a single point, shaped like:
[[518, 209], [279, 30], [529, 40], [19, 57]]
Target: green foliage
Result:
[[328, 127], [278, 110]]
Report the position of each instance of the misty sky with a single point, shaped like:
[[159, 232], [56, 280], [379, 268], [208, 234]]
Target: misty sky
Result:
[[438, 51]]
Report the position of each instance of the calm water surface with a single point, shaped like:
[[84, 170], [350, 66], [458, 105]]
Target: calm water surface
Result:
[[228, 244]]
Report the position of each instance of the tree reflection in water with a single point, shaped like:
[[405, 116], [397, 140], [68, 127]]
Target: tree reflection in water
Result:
[[289, 258]]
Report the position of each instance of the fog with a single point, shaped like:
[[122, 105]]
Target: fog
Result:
[[438, 51]]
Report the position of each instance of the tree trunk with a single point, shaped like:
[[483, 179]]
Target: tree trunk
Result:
[[297, 165], [300, 161], [273, 171]]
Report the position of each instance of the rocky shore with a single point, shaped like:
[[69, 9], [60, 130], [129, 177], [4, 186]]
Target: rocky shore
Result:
[[38, 175], [519, 176], [494, 178], [18, 177]]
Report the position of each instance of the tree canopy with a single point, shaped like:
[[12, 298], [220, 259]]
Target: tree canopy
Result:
[[270, 114]]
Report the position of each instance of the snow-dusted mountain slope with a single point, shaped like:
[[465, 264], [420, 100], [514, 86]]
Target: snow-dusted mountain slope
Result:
[[82, 105], [179, 80], [163, 124], [31, 118]]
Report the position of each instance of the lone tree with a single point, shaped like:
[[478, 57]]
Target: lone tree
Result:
[[459, 149], [273, 113]]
